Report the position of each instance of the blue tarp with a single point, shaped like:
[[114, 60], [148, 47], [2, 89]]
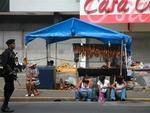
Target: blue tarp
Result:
[[75, 28]]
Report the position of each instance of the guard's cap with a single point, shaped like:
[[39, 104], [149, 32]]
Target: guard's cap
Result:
[[10, 41]]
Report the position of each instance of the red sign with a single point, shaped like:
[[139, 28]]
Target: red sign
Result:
[[115, 11]]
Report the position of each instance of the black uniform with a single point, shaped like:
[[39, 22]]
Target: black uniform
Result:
[[8, 63]]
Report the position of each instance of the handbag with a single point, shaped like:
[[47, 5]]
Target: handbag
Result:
[[37, 82]]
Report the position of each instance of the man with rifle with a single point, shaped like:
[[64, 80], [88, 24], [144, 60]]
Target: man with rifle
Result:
[[9, 74]]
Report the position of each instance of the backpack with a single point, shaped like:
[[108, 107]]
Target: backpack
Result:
[[1, 67], [1, 61]]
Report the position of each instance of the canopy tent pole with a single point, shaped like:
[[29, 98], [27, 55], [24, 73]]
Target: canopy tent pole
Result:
[[121, 63], [126, 59], [25, 59], [56, 54], [26, 51], [49, 47], [126, 56], [47, 52]]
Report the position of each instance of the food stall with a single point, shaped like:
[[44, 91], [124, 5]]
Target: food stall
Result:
[[75, 28]]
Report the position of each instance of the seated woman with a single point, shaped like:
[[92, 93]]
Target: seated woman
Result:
[[84, 90], [103, 86], [32, 80], [119, 89]]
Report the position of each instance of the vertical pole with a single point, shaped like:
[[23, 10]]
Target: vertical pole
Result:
[[47, 52], [121, 63], [23, 45], [26, 51], [126, 60], [57, 18], [125, 51], [56, 54], [49, 48]]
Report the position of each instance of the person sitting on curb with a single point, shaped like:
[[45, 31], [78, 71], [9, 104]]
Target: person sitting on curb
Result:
[[32, 80], [103, 86], [84, 89], [119, 89]]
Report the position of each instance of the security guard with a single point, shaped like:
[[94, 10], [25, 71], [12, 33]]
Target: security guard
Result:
[[8, 63]]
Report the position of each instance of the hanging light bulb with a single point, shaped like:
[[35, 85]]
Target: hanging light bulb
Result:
[[109, 44]]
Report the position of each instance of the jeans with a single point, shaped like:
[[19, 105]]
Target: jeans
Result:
[[121, 95], [87, 94], [106, 94]]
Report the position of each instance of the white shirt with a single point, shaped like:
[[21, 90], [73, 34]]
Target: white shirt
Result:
[[119, 86], [106, 83], [84, 87]]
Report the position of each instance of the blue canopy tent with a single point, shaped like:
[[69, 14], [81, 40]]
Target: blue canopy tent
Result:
[[75, 28]]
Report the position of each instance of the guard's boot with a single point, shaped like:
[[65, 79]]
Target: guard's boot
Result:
[[7, 109]]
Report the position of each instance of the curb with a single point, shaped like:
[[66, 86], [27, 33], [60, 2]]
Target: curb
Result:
[[32, 99], [138, 99], [35, 99]]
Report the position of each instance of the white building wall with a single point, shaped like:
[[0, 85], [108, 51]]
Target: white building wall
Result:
[[44, 5], [65, 7]]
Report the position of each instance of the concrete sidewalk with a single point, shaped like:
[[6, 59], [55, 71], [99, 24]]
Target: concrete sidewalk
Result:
[[138, 94], [68, 95]]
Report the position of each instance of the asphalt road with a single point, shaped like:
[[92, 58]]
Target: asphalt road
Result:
[[80, 107]]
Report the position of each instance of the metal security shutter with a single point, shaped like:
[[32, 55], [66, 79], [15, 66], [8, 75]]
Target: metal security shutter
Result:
[[17, 35], [4, 5], [141, 46], [1, 40]]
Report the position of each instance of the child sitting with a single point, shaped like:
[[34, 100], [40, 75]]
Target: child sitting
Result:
[[103, 86]]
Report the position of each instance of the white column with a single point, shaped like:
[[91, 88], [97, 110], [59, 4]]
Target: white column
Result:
[[83, 58]]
